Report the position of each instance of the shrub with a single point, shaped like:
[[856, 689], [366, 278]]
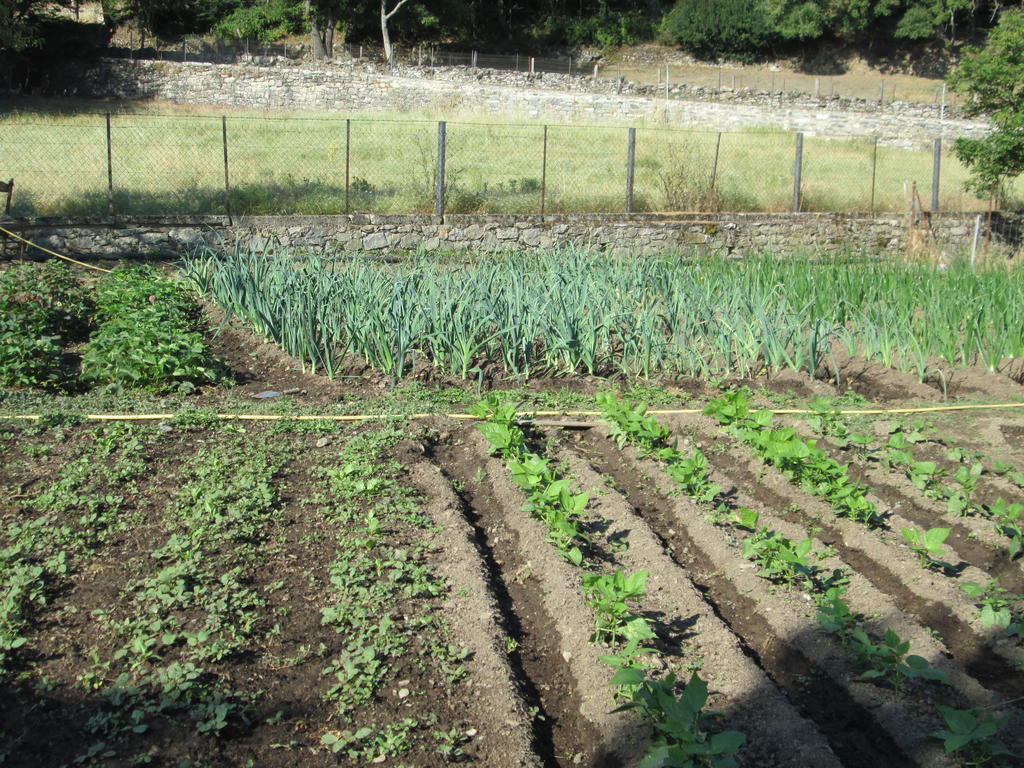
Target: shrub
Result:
[[266, 21], [605, 29], [715, 28]]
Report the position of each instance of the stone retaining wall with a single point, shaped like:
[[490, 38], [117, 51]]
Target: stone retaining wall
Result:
[[638, 234], [356, 87]]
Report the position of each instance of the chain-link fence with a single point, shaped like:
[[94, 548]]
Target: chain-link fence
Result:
[[186, 164]]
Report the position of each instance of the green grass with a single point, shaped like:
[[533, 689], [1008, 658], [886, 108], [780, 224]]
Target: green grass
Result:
[[296, 164]]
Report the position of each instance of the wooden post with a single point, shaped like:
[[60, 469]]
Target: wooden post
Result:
[[439, 189], [714, 165], [227, 181], [936, 160], [630, 162]]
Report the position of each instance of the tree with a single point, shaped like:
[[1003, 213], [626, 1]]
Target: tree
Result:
[[324, 17], [993, 79], [714, 28], [385, 15], [19, 23]]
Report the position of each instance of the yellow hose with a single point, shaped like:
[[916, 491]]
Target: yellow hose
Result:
[[531, 414], [52, 253]]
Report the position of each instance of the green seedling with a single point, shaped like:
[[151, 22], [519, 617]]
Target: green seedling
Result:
[[746, 519], [834, 614], [970, 734], [927, 545], [679, 740], [691, 474], [608, 594], [781, 560], [1007, 519], [888, 660], [996, 606]]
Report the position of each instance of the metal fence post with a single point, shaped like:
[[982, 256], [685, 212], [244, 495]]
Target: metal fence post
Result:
[[798, 165], [110, 171], [348, 156], [439, 190], [714, 165], [630, 160], [544, 173], [227, 182], [935, 174], [874, 168]]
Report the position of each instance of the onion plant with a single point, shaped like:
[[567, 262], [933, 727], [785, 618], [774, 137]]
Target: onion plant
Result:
[[577, 312]]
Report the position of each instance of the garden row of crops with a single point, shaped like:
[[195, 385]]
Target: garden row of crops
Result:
[[567, 312], [134, 328]]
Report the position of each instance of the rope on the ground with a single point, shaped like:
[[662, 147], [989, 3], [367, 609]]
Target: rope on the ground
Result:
[[526, 416], [52, 253]]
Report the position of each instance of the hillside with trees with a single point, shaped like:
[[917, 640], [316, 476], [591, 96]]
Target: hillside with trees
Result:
[[745, 30]]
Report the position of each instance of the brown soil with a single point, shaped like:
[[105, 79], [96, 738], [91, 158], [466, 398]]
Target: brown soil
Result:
[[545, 615], [880, 557], [793, 653], [44, 712]]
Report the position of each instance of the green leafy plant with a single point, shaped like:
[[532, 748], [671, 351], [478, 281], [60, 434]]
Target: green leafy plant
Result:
[[799, 460], [834, 614], [679, 739], [889, 661], [132, 354], [609, 595], [629, 424], [996, 606], [927, 545], [1007, 519], [970, 734]]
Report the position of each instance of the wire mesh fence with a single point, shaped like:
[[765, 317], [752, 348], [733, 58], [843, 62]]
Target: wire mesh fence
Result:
[[188, 164]]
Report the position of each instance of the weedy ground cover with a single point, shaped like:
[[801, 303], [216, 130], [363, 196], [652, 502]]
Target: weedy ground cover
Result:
[[267, 601]]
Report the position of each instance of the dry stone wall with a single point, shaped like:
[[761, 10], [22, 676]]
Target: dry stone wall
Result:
[[641, 234], [354, 87]]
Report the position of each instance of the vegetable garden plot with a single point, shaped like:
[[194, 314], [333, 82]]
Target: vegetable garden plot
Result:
[[305, 595]]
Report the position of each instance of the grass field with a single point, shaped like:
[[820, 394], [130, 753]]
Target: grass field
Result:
[[172, 162]]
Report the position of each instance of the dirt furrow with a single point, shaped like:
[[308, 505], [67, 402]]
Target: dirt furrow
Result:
[[933, 600], [505, 730], [744, 693], [539, 593], [864, 725], [971, 539]]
